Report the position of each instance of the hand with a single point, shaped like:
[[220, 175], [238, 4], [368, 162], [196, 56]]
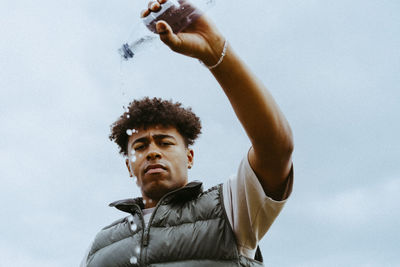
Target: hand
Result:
[[200, 40]]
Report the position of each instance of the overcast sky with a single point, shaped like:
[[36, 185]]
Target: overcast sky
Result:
[[332, 66]]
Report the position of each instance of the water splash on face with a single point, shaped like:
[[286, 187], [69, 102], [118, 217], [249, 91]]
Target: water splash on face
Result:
[[133, 158], [133, 260], [131, 161], [129, 132], [128, 116]]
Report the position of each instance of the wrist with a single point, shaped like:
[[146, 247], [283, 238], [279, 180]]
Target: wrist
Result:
[[215, 49], [221, 58]]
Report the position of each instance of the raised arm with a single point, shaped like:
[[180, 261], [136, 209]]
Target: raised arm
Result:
[[264, 123]]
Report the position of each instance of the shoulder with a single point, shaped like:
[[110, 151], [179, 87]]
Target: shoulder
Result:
[[113, 232], [212, 190], [249, 209], [247, 181], [212, 196], [116, 222]]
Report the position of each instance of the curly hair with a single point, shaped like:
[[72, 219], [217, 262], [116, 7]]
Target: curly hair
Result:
[[148, 112]]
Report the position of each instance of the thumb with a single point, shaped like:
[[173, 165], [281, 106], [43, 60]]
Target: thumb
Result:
[[167, 35]]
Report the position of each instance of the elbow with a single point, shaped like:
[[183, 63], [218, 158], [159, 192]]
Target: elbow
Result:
[[290, 141], [278, 148], [286, 141], [286, 150]]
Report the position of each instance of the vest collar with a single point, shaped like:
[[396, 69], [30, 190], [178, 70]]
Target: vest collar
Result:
[[185, 193]]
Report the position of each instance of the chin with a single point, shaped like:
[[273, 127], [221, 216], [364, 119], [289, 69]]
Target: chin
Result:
[[157, 189]]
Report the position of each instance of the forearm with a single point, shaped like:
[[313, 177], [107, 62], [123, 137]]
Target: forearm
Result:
[[264, 123]]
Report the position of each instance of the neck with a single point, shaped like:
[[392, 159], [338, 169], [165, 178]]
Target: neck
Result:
[[149, 203]]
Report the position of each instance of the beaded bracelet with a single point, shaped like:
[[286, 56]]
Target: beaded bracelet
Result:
[[220, 59]]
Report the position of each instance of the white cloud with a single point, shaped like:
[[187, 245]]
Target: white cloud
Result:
[[360, 206]]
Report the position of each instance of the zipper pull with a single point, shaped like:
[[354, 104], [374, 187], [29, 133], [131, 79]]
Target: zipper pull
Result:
[[146, 238]]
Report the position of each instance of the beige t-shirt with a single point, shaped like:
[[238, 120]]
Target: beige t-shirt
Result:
[[250, 211]]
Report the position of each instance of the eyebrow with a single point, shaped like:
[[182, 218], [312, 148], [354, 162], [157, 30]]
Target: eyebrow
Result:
[[156, 137]]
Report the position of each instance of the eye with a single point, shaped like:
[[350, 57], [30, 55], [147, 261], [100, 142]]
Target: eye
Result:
[[165, 143], [139, 147]]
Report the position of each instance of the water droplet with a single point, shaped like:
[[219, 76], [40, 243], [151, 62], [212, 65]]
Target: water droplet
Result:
[[133, 226], [133, 260], [129, 132], [150, 200], [133, 158], [137, 250], [128, 116]]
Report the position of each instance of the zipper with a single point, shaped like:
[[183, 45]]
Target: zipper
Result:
[[140, 214], [147, 230], [146, 233]]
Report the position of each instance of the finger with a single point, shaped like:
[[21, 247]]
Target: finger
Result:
[[154, 6], [167, 35], [145, 13], [150, 4]]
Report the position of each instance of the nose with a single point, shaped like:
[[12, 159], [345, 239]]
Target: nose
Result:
[[153, 153]]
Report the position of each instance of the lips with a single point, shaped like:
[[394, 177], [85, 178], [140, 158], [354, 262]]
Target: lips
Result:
[[154, 168]]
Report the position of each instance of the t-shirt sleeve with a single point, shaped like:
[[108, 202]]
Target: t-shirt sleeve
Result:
[[249, 210]]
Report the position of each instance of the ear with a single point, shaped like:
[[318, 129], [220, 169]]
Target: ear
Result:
[[129, 167], [190, 156]]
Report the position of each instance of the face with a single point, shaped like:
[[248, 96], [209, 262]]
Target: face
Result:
[[159, 159]]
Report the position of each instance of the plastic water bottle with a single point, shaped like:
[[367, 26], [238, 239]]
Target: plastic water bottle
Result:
[[177, 13]]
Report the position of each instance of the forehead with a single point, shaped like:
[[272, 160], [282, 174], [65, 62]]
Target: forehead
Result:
[[152, 131]]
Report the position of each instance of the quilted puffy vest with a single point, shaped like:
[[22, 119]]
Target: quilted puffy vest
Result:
[[188, 228]]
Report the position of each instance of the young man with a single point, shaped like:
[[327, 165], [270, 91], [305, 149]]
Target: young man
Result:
[[175, 223]]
